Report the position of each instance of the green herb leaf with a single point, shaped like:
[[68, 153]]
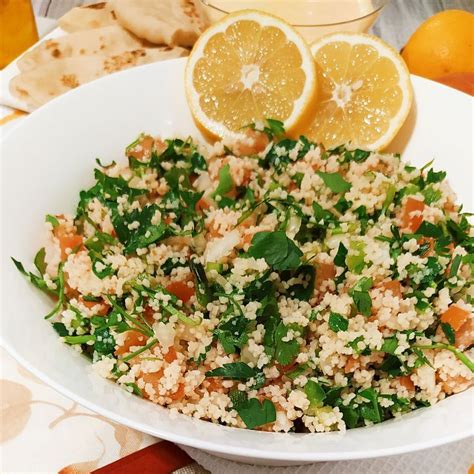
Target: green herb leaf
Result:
[[277, 249], [453, 271], [286, 351], [340, 258], [232, 334], [60, 284], [135, 389], [354, 345], [449, 333], [335, 182], [323, 216], [360, 296], [350, 416], [274, 128], [203, 290], [356, 260], [37, 281], [302, 291], [84, 339], [372, 411], [104, 342], [337, 322], [52, 220], [435, 177], [315, 394], [253, 412], [343, 205], [391, 190], [389, 345], [39, 261], [359, 156], [234, 371], [362, 302], [392, 366], [60, 328], [145, 234], [225, 182], [427, 229]]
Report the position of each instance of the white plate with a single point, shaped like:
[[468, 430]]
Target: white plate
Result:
[[44, 25], [49, 157]]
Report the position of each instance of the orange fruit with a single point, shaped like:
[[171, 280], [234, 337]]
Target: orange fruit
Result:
[[463, 81], [245, 68], [364, 94], [443, 44]]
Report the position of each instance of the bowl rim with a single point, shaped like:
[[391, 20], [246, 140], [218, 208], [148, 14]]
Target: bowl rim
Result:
[[255, 453], [376, 10]]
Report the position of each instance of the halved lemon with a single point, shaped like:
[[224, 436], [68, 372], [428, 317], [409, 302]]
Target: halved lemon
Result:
[[365, 92], [247, 67]]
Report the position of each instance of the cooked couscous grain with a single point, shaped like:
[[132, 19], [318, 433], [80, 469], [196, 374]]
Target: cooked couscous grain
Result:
[[282, 287]]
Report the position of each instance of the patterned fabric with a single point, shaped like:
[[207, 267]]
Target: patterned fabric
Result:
[[453, 458]]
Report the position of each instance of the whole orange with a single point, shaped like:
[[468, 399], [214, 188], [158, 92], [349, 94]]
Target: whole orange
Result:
[[463, 81], [443, 44]]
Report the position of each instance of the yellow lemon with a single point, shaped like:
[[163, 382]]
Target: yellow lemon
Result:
[[365, 92], [247, 67]]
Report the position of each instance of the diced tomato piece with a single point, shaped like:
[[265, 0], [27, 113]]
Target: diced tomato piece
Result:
[[202, 205], [351, 365], [292, 186], [171, 355], [431, 242], [455, 383], [247, 238], [67, 240], [132, 338], [232, 193], [142, 148], [324, 271], [407, 382], [394, 286], [250, 221], [455, 316], [283, 369], [181, 290], [215, 384], [179, 394], [465, 334], [409, 221], [70, 292], [102, 307], [259, 142], [152, 378], [148, 314]]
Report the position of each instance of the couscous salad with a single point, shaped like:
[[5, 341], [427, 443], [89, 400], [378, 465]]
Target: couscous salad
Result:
[[266, 284]]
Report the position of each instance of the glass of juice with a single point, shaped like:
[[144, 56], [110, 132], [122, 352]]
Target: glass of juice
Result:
[[312, 18], [18, 29]]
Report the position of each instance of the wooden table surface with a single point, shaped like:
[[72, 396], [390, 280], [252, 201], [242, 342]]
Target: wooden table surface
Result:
[[396, 23]]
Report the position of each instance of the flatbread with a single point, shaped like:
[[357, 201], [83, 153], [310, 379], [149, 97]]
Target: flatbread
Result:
[[100, 41], [173, 22], [39, 85], [87, 17]]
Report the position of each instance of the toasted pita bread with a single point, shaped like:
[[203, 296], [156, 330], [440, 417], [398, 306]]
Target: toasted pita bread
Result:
[[100, 41], [38, 86], [173, 22], [87, 17]]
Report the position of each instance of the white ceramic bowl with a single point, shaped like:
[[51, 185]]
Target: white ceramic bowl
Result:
[[49, 157]]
